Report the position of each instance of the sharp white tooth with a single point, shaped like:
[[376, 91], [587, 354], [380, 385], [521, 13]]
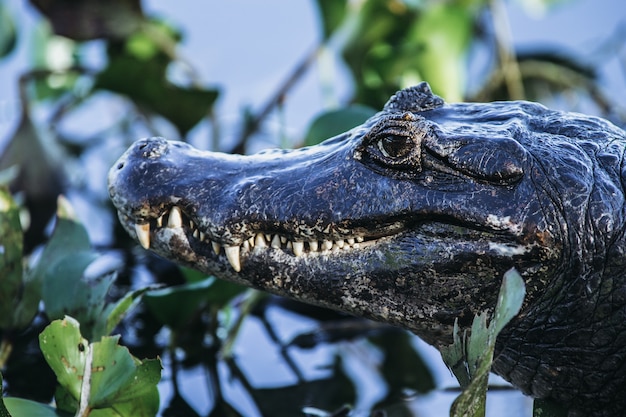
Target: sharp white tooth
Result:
[[327, 245], [259, 241], [298, 248], [202, 236], [191, 225], [251, 242], [232, 254], [268, 237], [159, 221], [283, 240], [313, 245], [216, 247], [196, 234], [246, 245], [143, 234], [176, 218], [350, 241], [339, 243], [275, 242], [289, 245], [360, 239]]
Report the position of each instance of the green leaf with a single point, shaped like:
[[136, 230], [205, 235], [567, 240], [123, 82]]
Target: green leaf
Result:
[[8, 34], [11, 248], [332, 15], [114, 313], [444, 32], [335, 122], [470, 356], [138, 70], [19, 407], [65, 350], [116, 380], [118, 377], [510, 300], [174, 306], [69, 237]]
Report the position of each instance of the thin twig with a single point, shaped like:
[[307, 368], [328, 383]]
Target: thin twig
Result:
[[506, 56], [252, 125]]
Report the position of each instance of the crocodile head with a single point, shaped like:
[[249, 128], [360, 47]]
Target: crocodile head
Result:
[[411, 218]]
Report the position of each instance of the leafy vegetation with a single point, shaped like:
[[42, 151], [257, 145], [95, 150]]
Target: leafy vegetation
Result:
[[63, 299]]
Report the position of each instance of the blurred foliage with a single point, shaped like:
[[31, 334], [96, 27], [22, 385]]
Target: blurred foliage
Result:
[[46, 273]]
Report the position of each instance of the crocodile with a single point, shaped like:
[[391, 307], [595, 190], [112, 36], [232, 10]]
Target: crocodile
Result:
[[412, 219]]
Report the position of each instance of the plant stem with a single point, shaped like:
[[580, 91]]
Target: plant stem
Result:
[[85, 389], [6, 347], [508, 61]]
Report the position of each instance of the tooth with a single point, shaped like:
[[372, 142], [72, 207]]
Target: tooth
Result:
[[232, 254], [313, 245], [356, 245], [196, 234], [350, 241], [259, 241], [251, 242], [283, 240], [339, 243], [360, 239], [159, 221], [298, 248], [216, 247], [202, 236], [275, 242], [268, 237], [327, 245], [289, 245], [246, 245], [143, 234], [175, 219], [191, 225]]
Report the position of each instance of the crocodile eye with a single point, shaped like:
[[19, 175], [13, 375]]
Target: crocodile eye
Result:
[[395, 146]]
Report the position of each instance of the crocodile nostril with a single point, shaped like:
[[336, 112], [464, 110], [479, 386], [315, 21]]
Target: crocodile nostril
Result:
[[143, 146], [120, 165]]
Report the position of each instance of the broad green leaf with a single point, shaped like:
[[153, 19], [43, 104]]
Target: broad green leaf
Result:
[[20, 407], [69, 237], [67, 292], [117, 381], [65, 350], [334, 122], [118, 377]]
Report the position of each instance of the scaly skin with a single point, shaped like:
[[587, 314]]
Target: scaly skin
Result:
[[412, 219]]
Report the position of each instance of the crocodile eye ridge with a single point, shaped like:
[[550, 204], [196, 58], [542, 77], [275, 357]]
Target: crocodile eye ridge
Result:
[[395, 143]]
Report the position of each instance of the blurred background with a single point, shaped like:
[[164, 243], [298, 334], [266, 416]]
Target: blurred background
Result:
[[81, 80]]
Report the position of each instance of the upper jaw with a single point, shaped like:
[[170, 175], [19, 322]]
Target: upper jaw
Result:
[[175, 220]]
